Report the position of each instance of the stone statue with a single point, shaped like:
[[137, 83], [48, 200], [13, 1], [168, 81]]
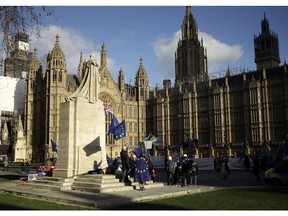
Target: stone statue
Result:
[[90, 85]]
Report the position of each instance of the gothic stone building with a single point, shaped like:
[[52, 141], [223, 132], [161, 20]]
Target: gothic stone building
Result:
[[244, 112]]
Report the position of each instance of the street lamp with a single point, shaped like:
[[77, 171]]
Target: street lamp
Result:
[[111, 150], [166, 126]]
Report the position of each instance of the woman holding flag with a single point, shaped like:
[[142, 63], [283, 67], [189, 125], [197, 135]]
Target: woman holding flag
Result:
[[142, 173]]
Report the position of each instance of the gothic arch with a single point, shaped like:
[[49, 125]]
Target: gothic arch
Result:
[[107, 98]]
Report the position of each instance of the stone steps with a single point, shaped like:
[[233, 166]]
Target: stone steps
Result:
[[92, 183], [98, 183]]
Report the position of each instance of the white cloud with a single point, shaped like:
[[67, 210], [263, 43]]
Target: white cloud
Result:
[[220, 55], [72, 43]]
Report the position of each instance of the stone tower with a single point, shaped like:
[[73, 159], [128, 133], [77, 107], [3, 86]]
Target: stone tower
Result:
[[142, 82], [34, 109], [80, 68], [121, 81], [55, 81], [266, 47], [190, 57], [20, 58]]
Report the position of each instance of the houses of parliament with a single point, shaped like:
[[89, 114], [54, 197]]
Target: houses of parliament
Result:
[[243, 112]]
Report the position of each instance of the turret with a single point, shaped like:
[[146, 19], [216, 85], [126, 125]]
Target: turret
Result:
[[266, 47], [142, 82], [121, 80], [103, 57]]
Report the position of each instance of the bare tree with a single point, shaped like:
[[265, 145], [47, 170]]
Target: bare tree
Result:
[[14, 19]]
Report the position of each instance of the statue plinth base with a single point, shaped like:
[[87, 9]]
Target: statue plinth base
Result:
[[81, 138]]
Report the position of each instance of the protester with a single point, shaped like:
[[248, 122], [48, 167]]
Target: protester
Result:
[[247, 163], [141, 174], [27, 165], [185, 172], [226, 172], [178, 174], [151, 168], [23, 167], [6, 163], [125, 164], [256, 167], [170, 170], [194, 173]]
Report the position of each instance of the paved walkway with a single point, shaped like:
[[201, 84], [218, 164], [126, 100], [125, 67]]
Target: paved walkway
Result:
[[208, 181]]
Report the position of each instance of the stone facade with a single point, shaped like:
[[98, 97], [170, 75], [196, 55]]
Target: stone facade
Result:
[[242, 112]]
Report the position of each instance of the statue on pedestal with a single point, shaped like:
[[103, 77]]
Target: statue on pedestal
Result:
[[90, 86]]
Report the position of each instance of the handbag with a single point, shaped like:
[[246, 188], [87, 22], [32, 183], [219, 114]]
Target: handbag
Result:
[[153, 173]]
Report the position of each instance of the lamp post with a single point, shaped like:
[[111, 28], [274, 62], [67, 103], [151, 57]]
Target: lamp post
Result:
[[166, 126], [111, 150]]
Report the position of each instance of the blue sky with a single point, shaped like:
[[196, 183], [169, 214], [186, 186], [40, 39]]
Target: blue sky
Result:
[[153, 32]]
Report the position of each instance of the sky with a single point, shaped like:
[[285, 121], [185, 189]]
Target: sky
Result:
[[152, 32]]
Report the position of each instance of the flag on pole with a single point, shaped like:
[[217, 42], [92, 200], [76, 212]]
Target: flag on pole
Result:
[[120, 131], [138, 151], [113, 125], [109, 109], [54, 146], [155, 141]]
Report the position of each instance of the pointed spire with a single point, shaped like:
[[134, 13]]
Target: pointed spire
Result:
[[121, 72], [141, 60], [188, 10], [80, 61], [34, 66], [20, 126], [141, 70], [189, 27], [265, 25], [5, 133], [35, 58], [35, 53], [57, 51], [80, 67], [103, 56], [228, 72], [57, 39]]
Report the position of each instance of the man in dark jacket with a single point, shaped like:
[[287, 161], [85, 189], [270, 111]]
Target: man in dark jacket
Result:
[[125, 164]]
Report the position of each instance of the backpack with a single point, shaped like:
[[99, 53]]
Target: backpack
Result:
[[170, 167]]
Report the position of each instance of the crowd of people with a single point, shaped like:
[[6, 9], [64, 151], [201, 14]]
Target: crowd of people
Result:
[[182, 172], [133, 166], [138, 167]]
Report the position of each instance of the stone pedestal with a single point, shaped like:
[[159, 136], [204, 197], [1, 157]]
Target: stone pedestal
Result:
[[81, 138]]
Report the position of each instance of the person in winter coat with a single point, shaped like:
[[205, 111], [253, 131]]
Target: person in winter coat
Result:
[[185, 170], [194, 173], [142, 174], [170, 170], [125, 164]]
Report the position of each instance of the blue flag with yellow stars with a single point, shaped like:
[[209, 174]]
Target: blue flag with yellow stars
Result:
[[113, 125], [120, 131]]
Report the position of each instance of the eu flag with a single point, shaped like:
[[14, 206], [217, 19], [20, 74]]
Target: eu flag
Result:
[[113, 125], [120, 131], [137, 151], [54, 146]]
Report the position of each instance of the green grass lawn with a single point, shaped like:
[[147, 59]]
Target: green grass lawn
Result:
[[9, 202], [228, 199], [270, 198]]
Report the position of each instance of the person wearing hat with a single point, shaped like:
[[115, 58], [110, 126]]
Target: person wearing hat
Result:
[[185, 172], [170, 170]]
